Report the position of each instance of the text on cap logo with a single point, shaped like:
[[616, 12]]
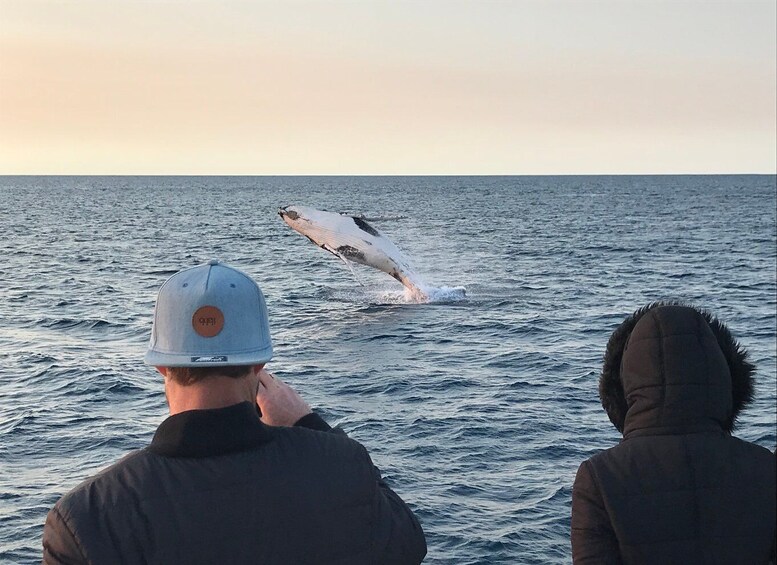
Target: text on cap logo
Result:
[[208, 321]]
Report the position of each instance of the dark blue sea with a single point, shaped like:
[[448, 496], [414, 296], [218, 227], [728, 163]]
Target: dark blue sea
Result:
[[477, 411]]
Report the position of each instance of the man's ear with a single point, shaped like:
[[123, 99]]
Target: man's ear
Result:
[[256, 369], [162, 371]]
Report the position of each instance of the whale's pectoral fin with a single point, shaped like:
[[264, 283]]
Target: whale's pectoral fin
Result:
[[353, 272], [329, 248], [340, 256]]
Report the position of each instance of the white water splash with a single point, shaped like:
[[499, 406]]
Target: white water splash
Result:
[[431, 295], [446, 293]]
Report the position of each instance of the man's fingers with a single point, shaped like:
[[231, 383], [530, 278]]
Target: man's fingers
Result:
[[265, 378]]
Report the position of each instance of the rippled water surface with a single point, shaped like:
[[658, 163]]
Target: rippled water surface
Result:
[[477, 411]]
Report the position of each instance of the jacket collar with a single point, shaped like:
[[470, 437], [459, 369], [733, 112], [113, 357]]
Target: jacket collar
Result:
[[208, 433]]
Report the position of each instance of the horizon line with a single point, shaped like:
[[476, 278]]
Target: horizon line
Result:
[[773, 173]]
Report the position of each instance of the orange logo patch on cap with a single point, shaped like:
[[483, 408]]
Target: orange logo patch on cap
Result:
[[208, 321]]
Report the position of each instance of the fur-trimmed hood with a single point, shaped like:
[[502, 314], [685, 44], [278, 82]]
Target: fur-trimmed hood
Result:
[[674, 368]]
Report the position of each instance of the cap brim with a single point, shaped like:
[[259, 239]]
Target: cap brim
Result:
[[161, 359]]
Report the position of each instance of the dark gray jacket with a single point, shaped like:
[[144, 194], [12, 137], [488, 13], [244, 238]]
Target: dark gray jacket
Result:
[[218, 486], [678, 488]]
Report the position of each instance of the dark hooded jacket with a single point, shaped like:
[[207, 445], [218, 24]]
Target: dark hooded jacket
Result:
[[218, 486], [678, 488]]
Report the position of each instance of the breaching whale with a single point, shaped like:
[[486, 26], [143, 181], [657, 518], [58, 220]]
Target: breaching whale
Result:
[[351, 238]]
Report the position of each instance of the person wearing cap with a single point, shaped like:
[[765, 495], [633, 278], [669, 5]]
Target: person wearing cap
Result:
[[679, 487], [242, 471]]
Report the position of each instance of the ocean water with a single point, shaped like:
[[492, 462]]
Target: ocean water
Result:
[[477, 411]]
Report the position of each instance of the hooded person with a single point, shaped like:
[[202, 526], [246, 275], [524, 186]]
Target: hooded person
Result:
[[222, 481], [678, 488]]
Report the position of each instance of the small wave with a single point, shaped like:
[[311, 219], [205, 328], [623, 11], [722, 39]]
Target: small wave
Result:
[[123, 388], [37, 358], [17, 424], [526, 384], [380, 337], [70, 323]]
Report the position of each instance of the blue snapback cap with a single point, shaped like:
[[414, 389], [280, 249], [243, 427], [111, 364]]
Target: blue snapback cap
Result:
[[209, 315]]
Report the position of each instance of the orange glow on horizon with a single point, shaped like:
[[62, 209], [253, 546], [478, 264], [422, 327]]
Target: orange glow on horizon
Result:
[[241, 89]]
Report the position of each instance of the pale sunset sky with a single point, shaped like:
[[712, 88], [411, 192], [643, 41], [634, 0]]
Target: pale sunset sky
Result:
[[387, 87]]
